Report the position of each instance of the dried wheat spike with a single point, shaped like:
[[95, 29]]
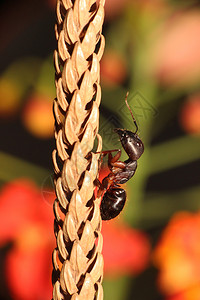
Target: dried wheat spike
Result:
[[77, 259]]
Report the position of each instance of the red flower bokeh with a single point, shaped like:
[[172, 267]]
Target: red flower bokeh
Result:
[[27, 220], [177, 255], [125, 250]]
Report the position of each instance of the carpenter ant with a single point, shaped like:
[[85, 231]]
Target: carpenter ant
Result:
[[120, 172]]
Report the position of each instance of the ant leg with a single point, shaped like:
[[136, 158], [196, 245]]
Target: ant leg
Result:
[[107, 151], [97, 183], [113, 161], [103, 186], [100, 187], [118, 164], [104, 153], [106, 182]]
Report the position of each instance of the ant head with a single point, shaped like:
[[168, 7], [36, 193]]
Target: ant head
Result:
[[134, 120], [131, 143]]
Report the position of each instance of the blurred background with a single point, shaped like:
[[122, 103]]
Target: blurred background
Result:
[[152, 250]]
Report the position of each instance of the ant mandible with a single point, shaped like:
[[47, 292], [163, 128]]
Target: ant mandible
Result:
[[120, 172]]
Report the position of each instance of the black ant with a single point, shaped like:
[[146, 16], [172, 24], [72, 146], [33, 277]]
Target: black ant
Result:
[[120, 172]]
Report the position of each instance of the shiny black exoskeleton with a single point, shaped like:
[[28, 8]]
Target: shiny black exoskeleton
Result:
[[120, 172], [112, 203]]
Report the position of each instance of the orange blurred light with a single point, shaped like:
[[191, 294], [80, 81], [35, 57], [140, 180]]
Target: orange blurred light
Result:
[[177, 254], [113, 69], [190, 115], [38, 116], [192, 293]]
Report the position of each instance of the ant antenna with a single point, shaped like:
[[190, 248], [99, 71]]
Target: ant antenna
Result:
[[131, 112]]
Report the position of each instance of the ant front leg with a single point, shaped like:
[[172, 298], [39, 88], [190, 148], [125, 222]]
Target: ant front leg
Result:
[[103, 154]]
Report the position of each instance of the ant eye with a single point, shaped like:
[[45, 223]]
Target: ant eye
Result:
[[138, 144]]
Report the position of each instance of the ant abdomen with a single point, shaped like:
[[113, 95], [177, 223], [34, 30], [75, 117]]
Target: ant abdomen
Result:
[[112, 203]]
